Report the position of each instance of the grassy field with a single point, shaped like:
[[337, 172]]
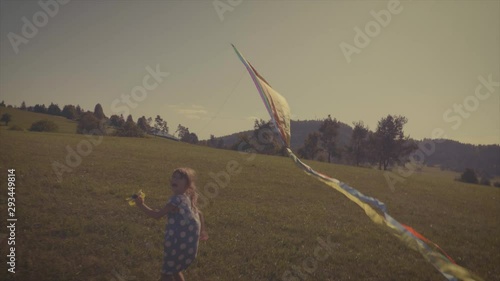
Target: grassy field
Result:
[[265, 222], [24, 119]]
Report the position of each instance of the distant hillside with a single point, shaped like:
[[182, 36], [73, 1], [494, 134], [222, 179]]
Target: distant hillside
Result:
[[300, 131], [456, 156], [449, 154], [24, 119]]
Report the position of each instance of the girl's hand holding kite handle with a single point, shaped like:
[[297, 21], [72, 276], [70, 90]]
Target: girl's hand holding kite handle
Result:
[[155, 214], [138, 200]]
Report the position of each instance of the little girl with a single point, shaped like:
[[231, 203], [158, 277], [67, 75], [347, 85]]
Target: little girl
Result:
[[185, 224]]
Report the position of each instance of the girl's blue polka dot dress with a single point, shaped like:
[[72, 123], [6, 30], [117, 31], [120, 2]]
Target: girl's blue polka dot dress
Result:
[[181, 236]]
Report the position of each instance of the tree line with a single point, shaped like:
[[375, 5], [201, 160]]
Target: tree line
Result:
[[385, 147], [97, 123]]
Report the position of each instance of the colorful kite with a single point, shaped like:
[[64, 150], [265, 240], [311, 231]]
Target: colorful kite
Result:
[[279, 111]]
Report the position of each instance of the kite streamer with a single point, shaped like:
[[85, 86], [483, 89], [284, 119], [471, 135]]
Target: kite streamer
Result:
[[376, 210]]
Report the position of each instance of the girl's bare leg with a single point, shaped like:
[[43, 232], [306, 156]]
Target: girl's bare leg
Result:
[[179, 277]]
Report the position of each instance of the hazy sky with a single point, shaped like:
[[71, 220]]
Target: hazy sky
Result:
[[422, 64]]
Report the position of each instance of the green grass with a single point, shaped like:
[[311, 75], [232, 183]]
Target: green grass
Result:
[[24, 119], [265, 222]]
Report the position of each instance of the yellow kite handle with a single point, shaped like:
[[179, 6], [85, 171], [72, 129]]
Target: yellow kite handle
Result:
[[131, 200]]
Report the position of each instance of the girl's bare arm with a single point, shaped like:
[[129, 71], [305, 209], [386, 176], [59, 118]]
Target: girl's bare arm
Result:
[[203, 230], [155, 214]]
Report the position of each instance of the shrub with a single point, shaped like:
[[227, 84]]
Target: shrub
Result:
[[496, 184], [485, 181], [469, 176], [44, 126], [16, 128], [89, 124], [6, 118], [129, 129]]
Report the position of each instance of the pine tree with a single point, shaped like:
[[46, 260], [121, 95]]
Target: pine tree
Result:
[[98, 112]]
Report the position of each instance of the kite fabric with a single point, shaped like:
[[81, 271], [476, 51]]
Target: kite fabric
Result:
[[276, 105], [279, 111]]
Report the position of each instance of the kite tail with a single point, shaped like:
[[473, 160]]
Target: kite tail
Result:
[[421, 237], [278, 109], [411, 238]]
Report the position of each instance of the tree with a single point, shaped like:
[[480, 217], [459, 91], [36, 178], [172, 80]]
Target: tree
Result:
[[23, 106], [192, 138], [359, 143], [89, 124], [79, 111], [69, 111], [220, 143], [242, 144], [129, 129], [116, 121], [469, 176], [212, 142], [40, 108], [150, 121], [215, 142], [186, 136], [182, 131], [311, 146], [144, 124], [44, 126], [328, 134], [53, 109], [2, 104], [263, 138], [388, 144], [6, 117], [98, 112], [160, 125]]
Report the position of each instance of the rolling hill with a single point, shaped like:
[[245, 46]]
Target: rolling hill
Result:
[[448, 154], [300, 129], [24, 119], [264, 221]]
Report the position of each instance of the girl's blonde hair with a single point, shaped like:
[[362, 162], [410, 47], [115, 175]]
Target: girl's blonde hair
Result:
[[190, 176]]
